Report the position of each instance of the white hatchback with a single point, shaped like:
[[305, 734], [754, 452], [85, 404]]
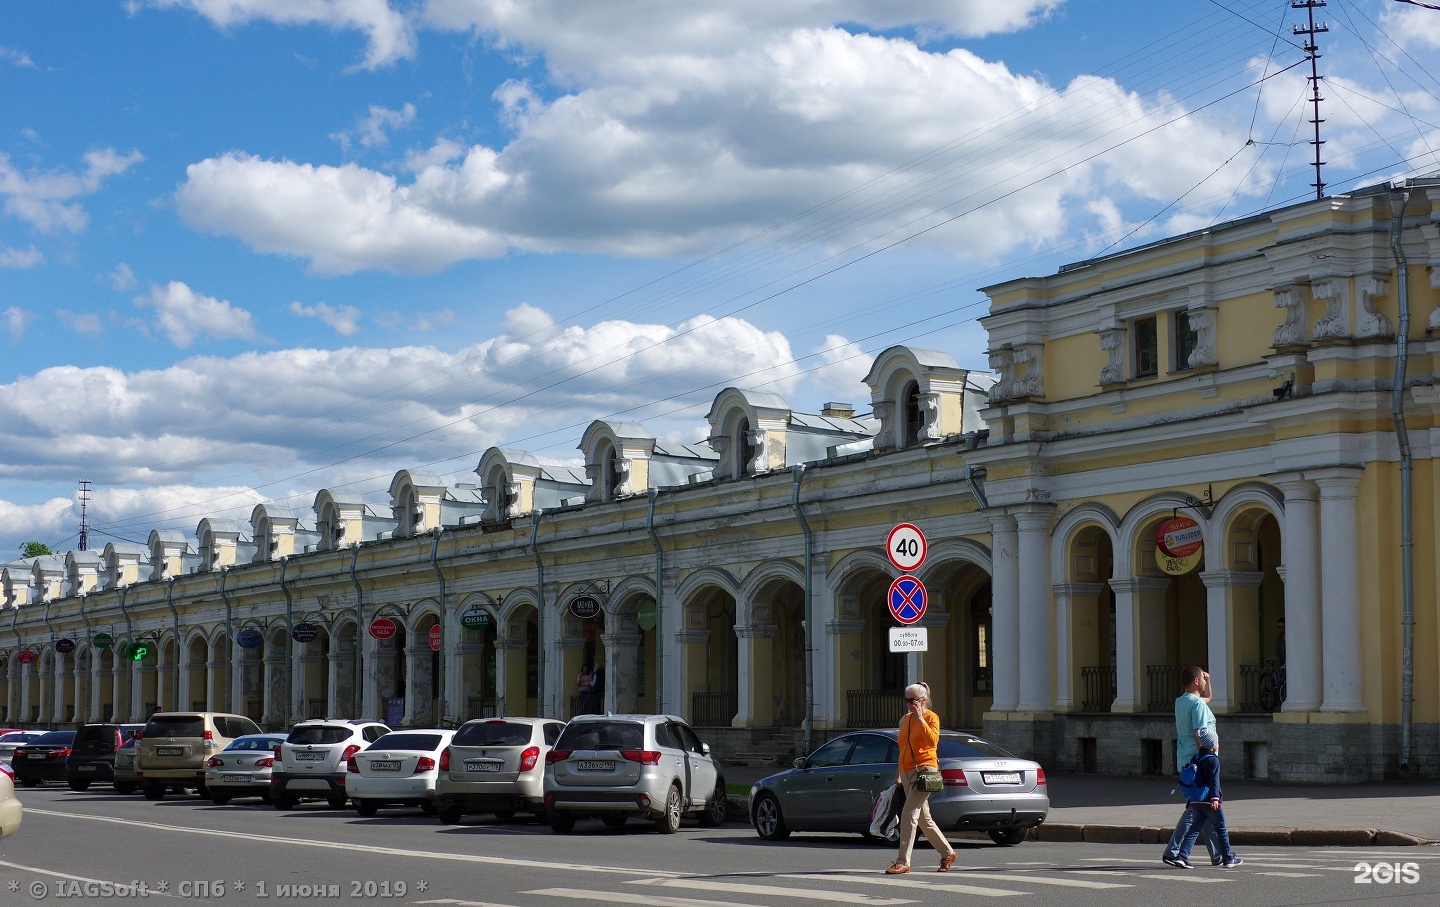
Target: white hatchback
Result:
[[399, 769], [10, 811]]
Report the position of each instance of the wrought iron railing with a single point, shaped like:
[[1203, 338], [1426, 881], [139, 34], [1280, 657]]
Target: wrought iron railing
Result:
[[479, 707], [1098, 688], [1162, 685], [713, 709], [873, 708]]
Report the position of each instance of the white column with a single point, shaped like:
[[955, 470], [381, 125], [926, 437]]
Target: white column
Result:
[[1220, 606], [1339, 591], [1301, 550], [503, 647], [97, 693], [1005, 612], [1037, 643]]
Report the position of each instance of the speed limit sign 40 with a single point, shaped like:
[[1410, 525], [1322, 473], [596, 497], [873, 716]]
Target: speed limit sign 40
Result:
[[905, 546]]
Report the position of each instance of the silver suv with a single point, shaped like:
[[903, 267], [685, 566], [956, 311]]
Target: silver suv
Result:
[[619, 766], [495, 765], [310, 764]]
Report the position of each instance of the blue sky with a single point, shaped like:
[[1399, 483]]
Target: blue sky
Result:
[[254, 248]]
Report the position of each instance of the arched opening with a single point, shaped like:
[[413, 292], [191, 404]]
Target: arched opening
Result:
[[197, 657], [1089, 601], [711, 664], [911, 418], [744, 448]]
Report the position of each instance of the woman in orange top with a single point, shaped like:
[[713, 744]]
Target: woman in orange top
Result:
[[919, 736]]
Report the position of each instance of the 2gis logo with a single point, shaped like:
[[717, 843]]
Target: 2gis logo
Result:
[[1387, 873]]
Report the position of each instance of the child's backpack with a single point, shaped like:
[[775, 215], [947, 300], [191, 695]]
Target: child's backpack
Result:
[[1190, 787]]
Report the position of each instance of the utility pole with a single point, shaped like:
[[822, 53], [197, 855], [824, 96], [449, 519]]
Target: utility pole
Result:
[[1312, 51], [84, 497]]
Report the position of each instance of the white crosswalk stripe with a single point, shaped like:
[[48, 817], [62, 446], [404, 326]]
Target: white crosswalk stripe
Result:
[[819, 895], [905, 881]]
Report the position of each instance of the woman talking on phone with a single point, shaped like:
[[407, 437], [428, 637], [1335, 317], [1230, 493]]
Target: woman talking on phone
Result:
[[919, 776]]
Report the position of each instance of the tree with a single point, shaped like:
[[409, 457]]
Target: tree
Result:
[[35, 549]]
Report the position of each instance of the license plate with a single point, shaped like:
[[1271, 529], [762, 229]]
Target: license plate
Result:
[[84, 768], [169, 750], [234, 779], [477, 766], [1001, 777], [38, 755], [309, 757], [593, 765], [385, 765]]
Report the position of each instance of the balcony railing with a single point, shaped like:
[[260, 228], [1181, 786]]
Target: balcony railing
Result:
[[1162, 685], [713, 709], [1098, 688], [874, 708], [479, 707]]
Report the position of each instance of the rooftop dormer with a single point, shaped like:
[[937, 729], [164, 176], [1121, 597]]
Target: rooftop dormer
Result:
[[923, 395], [82, 572], [219, 543], [514, 482], [15, 583], [276, 531], [47, 577], [168, 548], [415, 501], [122, 564], [344, 519], [747, 432]]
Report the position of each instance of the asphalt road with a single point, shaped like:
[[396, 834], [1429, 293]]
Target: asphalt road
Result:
[[97, 847]]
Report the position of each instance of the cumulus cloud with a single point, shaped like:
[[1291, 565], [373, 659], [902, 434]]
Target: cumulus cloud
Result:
[[373, 130], [122, 278], [389, 35], [87, 323], [344, 320], [17, 320], [183, 315], [20, 258], [47, 200], [842, 369], [17, 58]]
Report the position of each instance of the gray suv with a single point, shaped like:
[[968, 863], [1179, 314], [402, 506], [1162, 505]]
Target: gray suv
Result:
[[622, 766], [310, 764]]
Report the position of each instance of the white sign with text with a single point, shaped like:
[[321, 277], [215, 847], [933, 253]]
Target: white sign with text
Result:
[[909, 639]]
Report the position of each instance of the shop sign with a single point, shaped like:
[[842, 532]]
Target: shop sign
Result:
[[475, 618], [645, 614], [27, 657], [585, 606], [383, 628], [1176, 566], [305, 632], [1179, 537], [249, 638], [64, 646], [102, 640], [435, 638]]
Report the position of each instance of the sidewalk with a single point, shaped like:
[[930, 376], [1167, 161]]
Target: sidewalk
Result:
[[1142, 810]]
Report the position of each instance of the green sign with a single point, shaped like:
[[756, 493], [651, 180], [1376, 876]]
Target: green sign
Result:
[[645, 614], [138, 651], [475, 618], [102, 640]]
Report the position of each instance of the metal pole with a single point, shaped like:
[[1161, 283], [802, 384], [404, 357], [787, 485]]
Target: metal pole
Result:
[[799, 472]]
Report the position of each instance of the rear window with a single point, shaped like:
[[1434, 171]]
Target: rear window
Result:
[[175, 726], [970, 748], [53, 738], [321, 734], [101, 738], [492, 733], [602, 735], [424, 743], [255, 744]]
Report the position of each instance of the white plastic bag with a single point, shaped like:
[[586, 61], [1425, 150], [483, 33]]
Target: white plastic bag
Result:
[[884, 818]]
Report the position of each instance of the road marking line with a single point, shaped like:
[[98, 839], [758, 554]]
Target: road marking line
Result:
[[816, 894], [870, 878], [458, 903], [620, 897], [1035, 879], [1169, 877], [1289, 875]]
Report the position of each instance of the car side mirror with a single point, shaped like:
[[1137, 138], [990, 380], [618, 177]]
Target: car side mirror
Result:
[[704, 749], [799, 761]]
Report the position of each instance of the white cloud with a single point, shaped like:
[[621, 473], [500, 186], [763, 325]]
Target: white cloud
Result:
[[16, 321], [1413, 27], [122, 278], [184, 315], [46, 201], [526, 322], [344, 320], [843, 367], [389, 35], [20, 258], [81, 322], [49, 519], [373, 130], [17, 58]]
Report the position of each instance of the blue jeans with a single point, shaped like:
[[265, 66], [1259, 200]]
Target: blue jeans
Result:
[[1198, 818]]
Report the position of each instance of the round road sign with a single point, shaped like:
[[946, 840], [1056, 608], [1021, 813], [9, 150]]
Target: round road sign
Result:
[[905, 546], [383, 628], [907, 599]]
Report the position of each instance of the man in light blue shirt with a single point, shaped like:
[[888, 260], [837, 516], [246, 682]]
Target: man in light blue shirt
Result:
[[1192, 710]]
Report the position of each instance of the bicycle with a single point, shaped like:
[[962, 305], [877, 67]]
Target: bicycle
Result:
[[1272, 686]]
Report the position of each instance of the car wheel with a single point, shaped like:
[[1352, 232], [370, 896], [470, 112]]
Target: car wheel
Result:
[[769, 821], [561, 823], [714, 812], [29, 782], [265, 797], [448, 816], [79, 785], [336, 801], [202, 791], [1008, 837], [218, 798], [154, 792], [669, 822], [614, 821], [282, 801], [505, 815], [428, 809], [124, 788], [366, 808]]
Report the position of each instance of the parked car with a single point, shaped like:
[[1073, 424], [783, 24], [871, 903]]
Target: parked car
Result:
[[126, 780], [834, 788], [242, 769], [174, 747], [623, 766], [399, 769], [10, 810], [311, 763], [495, 765], [12, 739], [42, 759], [92, 756]]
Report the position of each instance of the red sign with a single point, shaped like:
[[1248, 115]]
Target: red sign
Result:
[[435, 638], [1179, 537], [907, 599], [906, 547], [383, 628], [27, 657]]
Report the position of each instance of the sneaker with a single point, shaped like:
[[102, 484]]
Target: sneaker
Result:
[[1177, 862], [1216, 861], [1232, 863]]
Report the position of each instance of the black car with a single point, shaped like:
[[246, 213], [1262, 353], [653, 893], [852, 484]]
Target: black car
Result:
[[43, 759], [92, 753]]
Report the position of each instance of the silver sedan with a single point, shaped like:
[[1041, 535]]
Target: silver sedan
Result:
[[242, 769], [835, 788]]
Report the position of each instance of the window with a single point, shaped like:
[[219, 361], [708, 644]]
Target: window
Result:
[[1144, 352], [912, 418], [980, 642], [1185, 339], [744, 448]]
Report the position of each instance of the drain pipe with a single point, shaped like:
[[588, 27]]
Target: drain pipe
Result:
[[540, 596], [972, 474], [1398, 197], [23, 708], [799, 473], [229, 642], [129, 638], [440, 576], [659, 602], [94, 662], [359, 697], [290, 710], [179, 647]]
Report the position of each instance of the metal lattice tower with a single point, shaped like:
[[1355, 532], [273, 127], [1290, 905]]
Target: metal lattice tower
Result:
[[84, 498], [1312, 50]]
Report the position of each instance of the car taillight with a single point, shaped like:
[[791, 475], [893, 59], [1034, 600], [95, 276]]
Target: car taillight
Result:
[[350, 750], [352, 766], [214, 762], [62, 753], [555, 756], [644, 757], [209, 740], [423, 764], [445, 759], [267, 762], [139, 735], [277, 752], [1040, 776], [954, 777], [529, 758]]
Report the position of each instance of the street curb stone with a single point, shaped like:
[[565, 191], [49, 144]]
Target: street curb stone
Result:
[[1262, 837], [1333, 837], [1113, 834]]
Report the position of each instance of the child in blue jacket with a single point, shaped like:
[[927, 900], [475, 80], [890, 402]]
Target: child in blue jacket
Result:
[[1199, 813]]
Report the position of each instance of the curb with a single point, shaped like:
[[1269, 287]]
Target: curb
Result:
[[1253, 837]]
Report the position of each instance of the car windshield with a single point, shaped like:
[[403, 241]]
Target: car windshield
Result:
[[970, 748], [424, 743], [601, 735], [255, 744], [493, 733], [319, 734], [175, 726]]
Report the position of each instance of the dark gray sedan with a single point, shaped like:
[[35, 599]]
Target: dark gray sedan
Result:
[[835, 788]]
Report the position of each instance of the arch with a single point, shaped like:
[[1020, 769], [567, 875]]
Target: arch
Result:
[[760, 579], [625, 593], [707, 576], [1142, 517], [866, 560]]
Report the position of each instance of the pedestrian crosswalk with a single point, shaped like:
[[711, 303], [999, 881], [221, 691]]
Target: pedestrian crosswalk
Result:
[[1008, 883]]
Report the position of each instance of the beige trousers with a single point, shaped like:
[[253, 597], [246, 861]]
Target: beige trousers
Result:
[[916, 814]]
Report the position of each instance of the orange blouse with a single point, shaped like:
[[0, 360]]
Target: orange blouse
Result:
[[918, 741]]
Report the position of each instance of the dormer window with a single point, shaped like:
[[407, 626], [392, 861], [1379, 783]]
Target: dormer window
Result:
[[912, 419], [744, 449], [612, 480]]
